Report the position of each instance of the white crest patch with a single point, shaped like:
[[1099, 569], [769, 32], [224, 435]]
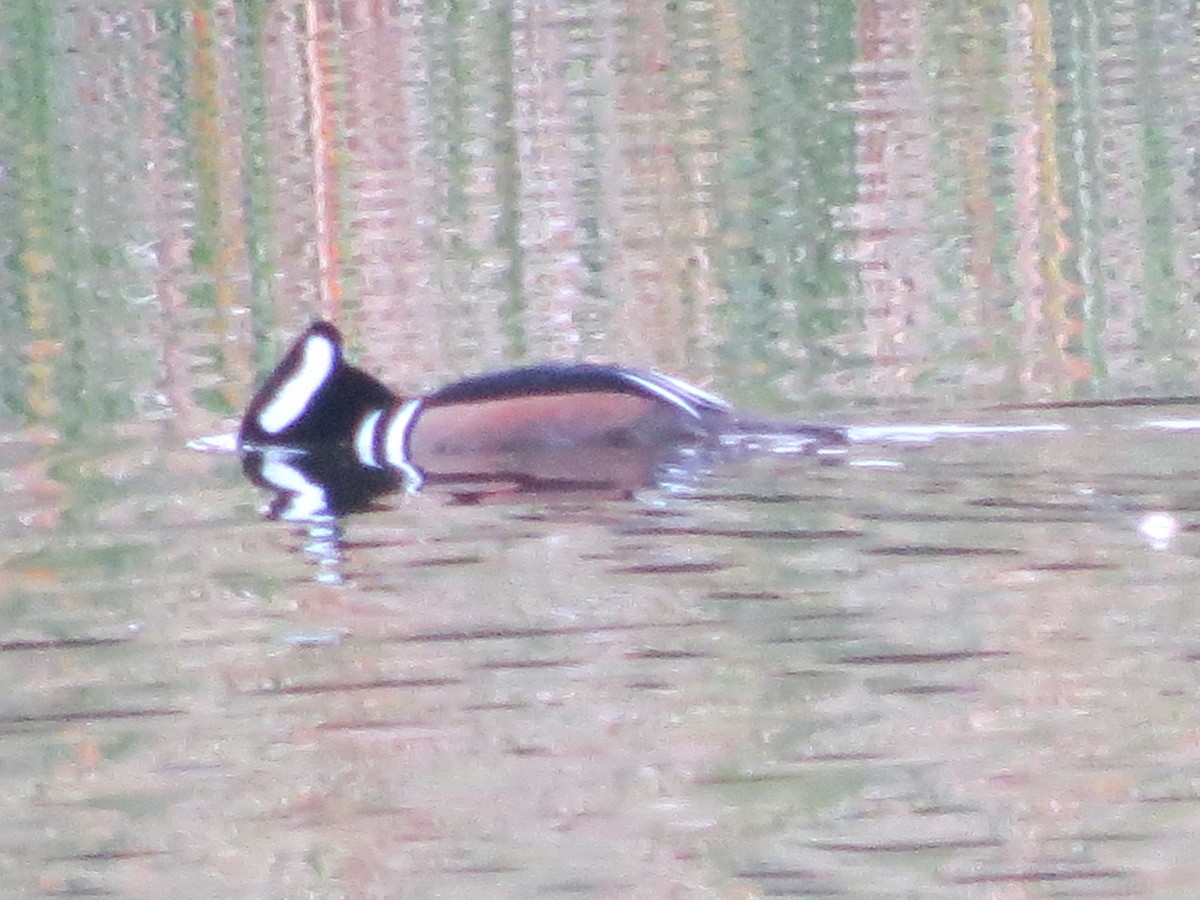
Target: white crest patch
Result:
[[299, 388]]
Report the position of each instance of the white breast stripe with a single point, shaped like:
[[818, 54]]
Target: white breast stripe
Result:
[[298, 390], [676, 399], [364, 439], [395, 445]]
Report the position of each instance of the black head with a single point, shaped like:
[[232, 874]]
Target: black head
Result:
[[313, 397]]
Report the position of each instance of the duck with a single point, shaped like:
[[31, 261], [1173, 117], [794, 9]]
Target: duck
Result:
[[552, 423]]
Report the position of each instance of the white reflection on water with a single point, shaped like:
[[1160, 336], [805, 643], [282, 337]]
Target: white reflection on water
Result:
[[214, 443], [924, 434], [1173, 424], [1159, 529]]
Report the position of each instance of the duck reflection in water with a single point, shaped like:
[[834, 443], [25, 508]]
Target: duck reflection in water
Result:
[[329, 438]]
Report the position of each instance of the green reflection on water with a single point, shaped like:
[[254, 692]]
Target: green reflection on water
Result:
[[34, 207], [107, 561], [259, 182], [783, 274], [767, 90]]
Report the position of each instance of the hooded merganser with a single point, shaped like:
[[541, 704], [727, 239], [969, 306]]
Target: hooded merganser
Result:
[[567, 422]]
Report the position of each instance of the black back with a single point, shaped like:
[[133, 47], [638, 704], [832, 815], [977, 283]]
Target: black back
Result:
[[576, 378]]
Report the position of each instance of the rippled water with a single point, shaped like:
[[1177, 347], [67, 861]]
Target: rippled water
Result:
[[961, 661]]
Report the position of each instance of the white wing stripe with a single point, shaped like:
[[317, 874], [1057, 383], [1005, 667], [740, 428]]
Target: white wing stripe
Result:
[[690, 390], [662, 391]]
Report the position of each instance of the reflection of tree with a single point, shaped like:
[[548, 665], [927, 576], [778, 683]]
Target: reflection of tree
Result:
[[34, 339], [323, 133], [1045, 170], [670, 184], [1046, 297], [565, 190], [788, 173], [892, 219], [38, 252]]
